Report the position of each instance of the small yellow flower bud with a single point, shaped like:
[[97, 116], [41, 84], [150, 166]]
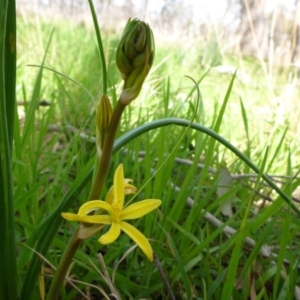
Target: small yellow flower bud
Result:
[[135, 54]]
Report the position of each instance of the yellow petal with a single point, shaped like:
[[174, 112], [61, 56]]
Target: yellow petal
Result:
[[138, 238], [128, 189], [70, 216], [127, 180], [110, 196], [139, 209], [96, 219], [92, 206], [111, 235], [119, 186]]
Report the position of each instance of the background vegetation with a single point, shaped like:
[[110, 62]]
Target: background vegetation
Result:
[[221, 231]]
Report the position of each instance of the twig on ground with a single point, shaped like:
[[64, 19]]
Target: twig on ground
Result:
[[164, 278], [70, 128], [251, 177]]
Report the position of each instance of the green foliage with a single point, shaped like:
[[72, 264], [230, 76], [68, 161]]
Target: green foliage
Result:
[[8, 274], [54, 153]]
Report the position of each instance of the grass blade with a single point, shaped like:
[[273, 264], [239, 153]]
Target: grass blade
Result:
[[181, 267], [10, 68], [211, 144], [30, 115], [100, 47], [236, 254], [8, 272]]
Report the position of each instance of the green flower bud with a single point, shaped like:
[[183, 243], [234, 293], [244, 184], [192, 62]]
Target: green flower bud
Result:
[[135, 54], [103, 116]]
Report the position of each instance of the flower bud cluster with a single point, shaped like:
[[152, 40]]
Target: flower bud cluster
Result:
[[135, 54]]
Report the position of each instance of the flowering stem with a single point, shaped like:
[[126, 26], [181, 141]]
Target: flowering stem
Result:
[[97, 186], [63, 266], [107, 152]]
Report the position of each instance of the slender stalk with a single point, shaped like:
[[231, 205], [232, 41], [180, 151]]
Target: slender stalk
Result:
[[102, 170], [107, 152], [75, 242], [63, 266]]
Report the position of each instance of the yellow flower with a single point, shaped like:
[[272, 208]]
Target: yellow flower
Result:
[[117, 214]]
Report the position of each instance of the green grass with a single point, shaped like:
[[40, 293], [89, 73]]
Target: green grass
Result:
[[51, 169], [7, 106]]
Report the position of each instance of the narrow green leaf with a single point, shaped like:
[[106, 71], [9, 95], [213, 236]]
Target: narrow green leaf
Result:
[[100, 47], [245, 119], [10, 68], [218, 281], [30, 115], [259, 243], [184, 192], [233, 265], [181, 266], [280, 144], [212, 141], [242, 234], [8, 272], [284, 244]]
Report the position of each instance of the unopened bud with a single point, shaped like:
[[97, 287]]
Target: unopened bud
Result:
[[103, 116], [135, 54]]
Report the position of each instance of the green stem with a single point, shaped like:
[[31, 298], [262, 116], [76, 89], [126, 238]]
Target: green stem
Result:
[[107, 152], [63, 266], [75, 242]]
